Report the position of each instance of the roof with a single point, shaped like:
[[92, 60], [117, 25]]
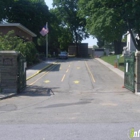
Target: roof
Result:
[[20, 26]]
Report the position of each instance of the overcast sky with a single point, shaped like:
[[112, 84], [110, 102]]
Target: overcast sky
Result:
[[90, 40]]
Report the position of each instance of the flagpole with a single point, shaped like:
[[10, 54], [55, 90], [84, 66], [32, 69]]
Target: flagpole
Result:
[[46, 42]]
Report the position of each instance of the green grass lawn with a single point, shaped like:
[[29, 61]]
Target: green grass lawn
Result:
[[111, 60]]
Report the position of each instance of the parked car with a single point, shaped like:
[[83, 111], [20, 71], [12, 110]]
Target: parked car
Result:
[[63, 55]]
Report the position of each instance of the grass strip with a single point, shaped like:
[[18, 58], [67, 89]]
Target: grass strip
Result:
[[112, 59]]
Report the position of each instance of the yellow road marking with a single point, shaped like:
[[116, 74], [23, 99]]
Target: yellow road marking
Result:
[[67, 70], [39, 71], [42, 75], [38, 79], [63, 78], [90, 72], [47, 81], [76, 82]]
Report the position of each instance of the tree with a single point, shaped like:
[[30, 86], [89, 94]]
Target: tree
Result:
[[12, 42], [100, 42], [65, 38], [59, 37], [32, 14], [4, 7], [130, 14], [102, 21], [95, 47], [111, 19], [2, 13], [67, 11]]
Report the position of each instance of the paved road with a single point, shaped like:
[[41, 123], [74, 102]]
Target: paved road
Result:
[[78, 99]]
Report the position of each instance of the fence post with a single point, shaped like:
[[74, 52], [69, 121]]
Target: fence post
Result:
[[137, 73]]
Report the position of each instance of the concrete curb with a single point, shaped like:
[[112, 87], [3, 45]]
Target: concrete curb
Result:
[[46, 67], [8, 96]]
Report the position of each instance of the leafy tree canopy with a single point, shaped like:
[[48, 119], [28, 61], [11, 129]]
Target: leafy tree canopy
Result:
[[110, 19], [12, 42], [31, 13], [67, 11]]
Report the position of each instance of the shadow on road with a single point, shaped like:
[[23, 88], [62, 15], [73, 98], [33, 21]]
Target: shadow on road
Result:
[[45, 63], [38, 91], [54, 67], [71, 59]]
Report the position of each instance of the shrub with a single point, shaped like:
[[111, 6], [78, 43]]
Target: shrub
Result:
[[12, 42]]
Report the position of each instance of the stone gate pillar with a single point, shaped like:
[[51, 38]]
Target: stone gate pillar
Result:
[[8, 71]]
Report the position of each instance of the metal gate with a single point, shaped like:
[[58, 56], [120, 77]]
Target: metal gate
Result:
[[21, 75], [129, 73]]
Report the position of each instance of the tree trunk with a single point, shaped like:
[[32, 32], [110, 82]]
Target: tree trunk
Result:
[[76, 50]]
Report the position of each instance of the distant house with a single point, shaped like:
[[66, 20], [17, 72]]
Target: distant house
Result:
[[19, 30], [99, 52]]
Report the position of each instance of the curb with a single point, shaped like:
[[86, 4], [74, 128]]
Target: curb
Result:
[[8, 96], [40, 71], [116, 70]]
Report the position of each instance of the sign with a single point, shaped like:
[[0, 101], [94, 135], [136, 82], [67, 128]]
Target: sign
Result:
[[7, 61], [126, 67]]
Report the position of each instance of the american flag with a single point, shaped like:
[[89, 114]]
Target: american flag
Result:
[[44, 31]]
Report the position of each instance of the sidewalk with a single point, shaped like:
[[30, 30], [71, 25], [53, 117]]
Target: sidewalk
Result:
[[31, 72], [116, 70]]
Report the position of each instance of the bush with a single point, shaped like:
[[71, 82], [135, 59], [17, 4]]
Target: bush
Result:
[[12, 42]]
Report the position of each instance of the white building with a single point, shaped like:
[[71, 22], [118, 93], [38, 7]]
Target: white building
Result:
[[130, 45]]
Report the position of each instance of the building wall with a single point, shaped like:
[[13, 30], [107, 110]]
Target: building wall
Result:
[[5, 29], [130, 43], [99, 52]]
